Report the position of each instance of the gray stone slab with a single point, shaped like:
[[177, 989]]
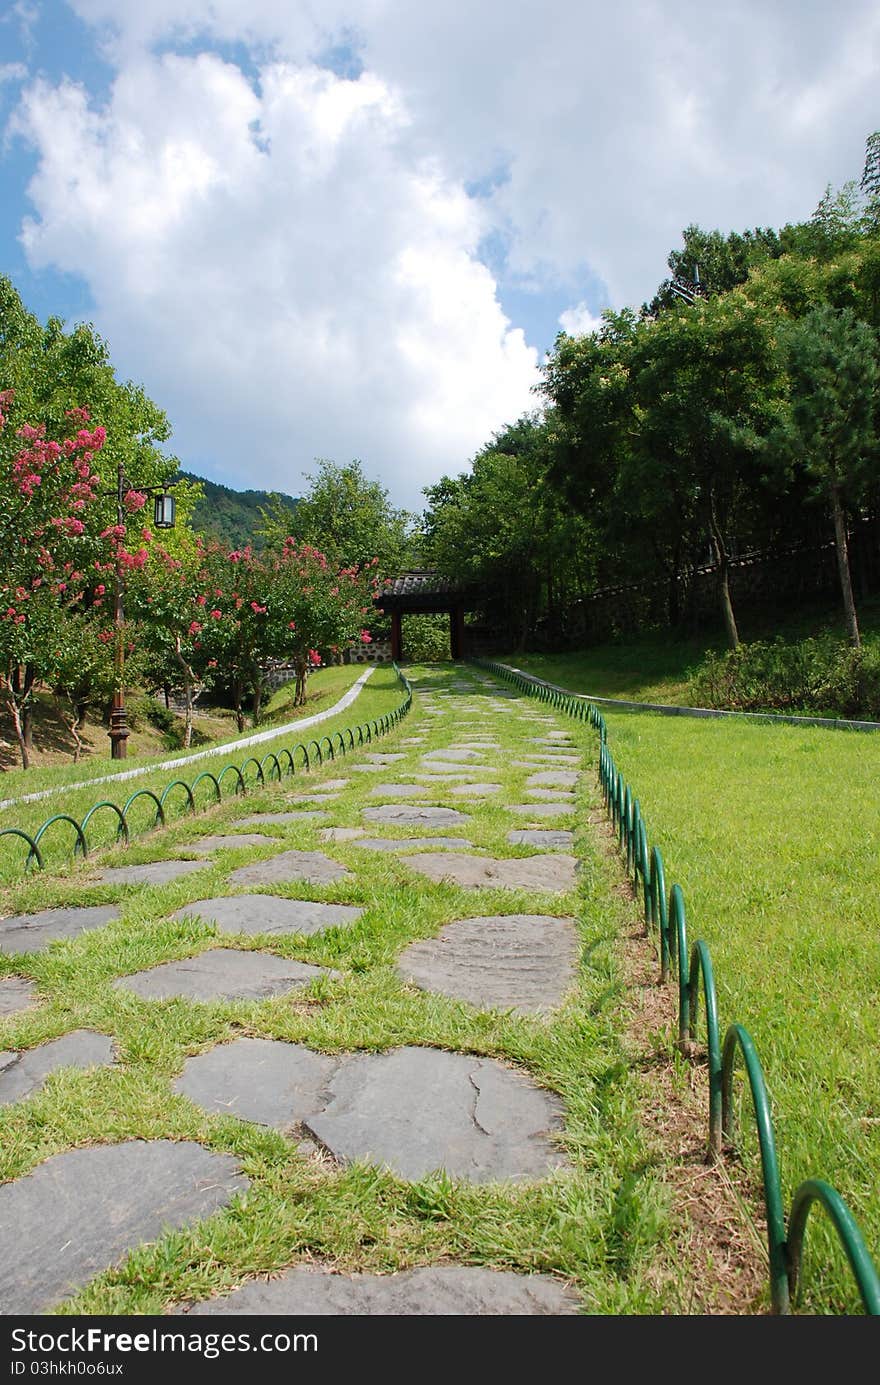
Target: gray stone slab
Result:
[[16, 994], [415, 1110], [474, 790], [30, 932], [542, 810], [552, 795], [153, 873], [341, 834], [412, 843], [268, 913], [378, 758], [560, 739], [331, 785], [553, 779], [521, 962], [257, 819], [312, 866], [438, 775], [79, 1212], [454, 756], [551, 839], [431, 1291], [366, 769], [262, 1080], [415, 815], [313, 797], [305, 815], [221, 973], [25, 1072], [544, 761], [228, 841], [398, 790], [550, 874]]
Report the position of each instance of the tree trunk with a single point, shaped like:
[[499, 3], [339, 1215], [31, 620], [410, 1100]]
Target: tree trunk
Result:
[[15, 712], [237, 694], [302, 673], [849, 605], [257, 704], [723, 579], [188, 680]]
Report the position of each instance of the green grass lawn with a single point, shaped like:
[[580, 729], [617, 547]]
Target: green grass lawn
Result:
[[771, 832]]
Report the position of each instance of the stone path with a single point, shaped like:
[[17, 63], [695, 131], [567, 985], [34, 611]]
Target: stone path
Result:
[[411, 1108], [440, 1290], [79, 1212]]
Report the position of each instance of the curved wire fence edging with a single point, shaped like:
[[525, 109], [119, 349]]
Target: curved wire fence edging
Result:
[[377, 727], [784, 1247]]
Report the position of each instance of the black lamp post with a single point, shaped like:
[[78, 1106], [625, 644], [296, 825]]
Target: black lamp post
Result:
[[164, 508]]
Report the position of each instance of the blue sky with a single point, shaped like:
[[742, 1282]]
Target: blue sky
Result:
[[353, 230]]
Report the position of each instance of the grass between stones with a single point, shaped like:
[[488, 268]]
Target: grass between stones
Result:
[[604, 1224]]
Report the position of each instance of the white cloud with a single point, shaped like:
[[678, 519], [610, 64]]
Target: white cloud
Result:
[[284, 275], [290, 261], [579, 321]]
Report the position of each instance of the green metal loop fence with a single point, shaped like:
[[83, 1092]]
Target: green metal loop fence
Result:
[[274, 759], [159, 820], [122, 828], [667, 920]]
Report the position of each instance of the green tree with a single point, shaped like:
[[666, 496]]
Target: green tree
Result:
[[831, 428], [347, 517]]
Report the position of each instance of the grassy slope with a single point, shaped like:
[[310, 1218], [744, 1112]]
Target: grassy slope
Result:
[[770, 831], [380, 694], [653, 667]]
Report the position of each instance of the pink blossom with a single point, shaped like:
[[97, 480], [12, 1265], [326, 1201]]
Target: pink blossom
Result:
[[134, 501], [216, 615], [366, 637], [100, 589], [195, 627]]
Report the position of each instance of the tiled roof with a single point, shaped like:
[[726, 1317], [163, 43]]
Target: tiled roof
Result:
[[421, 583]]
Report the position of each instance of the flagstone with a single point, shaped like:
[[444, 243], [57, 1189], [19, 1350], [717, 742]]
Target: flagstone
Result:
[[80, 1211], [312, 866], [152, 873], [554, 874], [30, 932], [228, 841], [16, 994], [269, 913], [221, 973], [429, 1291], [415, 814], [415, 1110], [549, 838], [25, 1072], [521, 962]]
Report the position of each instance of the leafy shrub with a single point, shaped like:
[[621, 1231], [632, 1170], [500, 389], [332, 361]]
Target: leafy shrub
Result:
[[823, 675], [426, 639]]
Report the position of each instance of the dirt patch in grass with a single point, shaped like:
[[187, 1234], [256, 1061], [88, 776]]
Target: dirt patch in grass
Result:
[[716, 1237]]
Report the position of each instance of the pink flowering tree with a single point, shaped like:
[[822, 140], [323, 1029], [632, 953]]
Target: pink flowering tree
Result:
[[48, 551], [165, 595], [240, 630], [318, 609]]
